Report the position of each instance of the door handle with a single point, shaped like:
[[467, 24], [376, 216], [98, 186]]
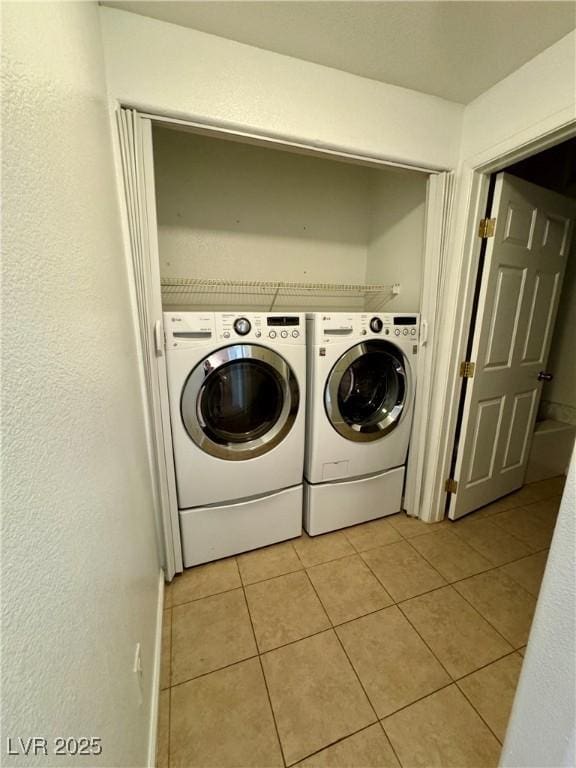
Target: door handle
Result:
[[158, 338], [423, 332], [544, 376]]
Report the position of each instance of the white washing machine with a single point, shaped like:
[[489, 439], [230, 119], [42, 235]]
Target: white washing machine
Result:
[[361, 383], [236, 386]]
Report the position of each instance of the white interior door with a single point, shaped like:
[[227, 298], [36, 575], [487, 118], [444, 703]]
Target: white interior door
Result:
[[521, 280]]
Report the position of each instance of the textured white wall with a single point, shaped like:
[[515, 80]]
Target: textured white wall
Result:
[[396, 246], [542, 728], [79, 563], [177, 71], [537, 98], [229, 210]]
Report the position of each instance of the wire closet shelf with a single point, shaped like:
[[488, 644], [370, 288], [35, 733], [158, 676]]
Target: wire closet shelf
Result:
[[200, 291]]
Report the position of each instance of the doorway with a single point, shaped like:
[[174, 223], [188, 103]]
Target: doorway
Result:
[[517, 412]]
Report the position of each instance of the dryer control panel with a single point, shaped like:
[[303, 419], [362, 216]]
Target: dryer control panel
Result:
[[335, 327], [190, 329], [270, 328]]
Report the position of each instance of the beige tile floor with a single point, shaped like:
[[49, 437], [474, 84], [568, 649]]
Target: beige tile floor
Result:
[[327, 651]]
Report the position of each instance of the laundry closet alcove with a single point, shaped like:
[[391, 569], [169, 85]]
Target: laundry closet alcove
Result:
[[219, 219]]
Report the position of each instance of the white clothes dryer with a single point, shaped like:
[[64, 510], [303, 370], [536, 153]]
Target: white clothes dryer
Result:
[[361, 384], [236, 385]]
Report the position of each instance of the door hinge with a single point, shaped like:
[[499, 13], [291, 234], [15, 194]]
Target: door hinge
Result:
[[467, 370], [451, 485], [486, 228]]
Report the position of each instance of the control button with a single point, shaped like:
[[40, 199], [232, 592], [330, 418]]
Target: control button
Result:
[[413, 331], [295, 334], [376, 324], [258, 334], [397, 331], [242, 326], [226, 334], [405, 331], [272, 334], [284, 334], [363, 332], [387, 331]]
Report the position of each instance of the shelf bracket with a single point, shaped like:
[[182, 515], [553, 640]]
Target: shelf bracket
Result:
[[274, 297]]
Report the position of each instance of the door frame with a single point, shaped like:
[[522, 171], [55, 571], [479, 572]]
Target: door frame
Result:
[[438, 209], [464, 255]]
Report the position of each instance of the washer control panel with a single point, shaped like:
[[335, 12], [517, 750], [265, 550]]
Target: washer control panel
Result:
[[335, 327]]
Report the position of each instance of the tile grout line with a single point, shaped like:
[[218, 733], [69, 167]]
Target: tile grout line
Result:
[[453, 681], [509, 533], [487, 519], [434, 655], [484, 666], [443, 688], [269, 578], [368, 699], [500, 743], [333, 743], [339, 741], [398, 605], [169, 725], [265, 680], [392, 747], [510, 643], [470, 576], [469, 603], [488, 664], [170, 692], [472, 703], [212, 671], [451, 584], [480, 714]]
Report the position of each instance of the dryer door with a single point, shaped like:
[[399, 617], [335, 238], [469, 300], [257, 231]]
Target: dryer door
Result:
[[240, 402], [367, 391]]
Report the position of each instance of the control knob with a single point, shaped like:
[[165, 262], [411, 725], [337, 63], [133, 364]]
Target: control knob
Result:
[[242, 326], [376, 324]]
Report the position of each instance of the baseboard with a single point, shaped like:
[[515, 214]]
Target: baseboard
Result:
[[155, 693]]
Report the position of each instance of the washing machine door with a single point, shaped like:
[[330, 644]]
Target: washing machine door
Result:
[[240, 402], [366, 392]]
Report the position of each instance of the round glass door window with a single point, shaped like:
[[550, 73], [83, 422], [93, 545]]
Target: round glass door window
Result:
[[366, 391], [240, 402]]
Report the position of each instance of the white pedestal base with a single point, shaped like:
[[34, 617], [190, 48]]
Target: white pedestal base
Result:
[[330, 506], [210, 533]]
